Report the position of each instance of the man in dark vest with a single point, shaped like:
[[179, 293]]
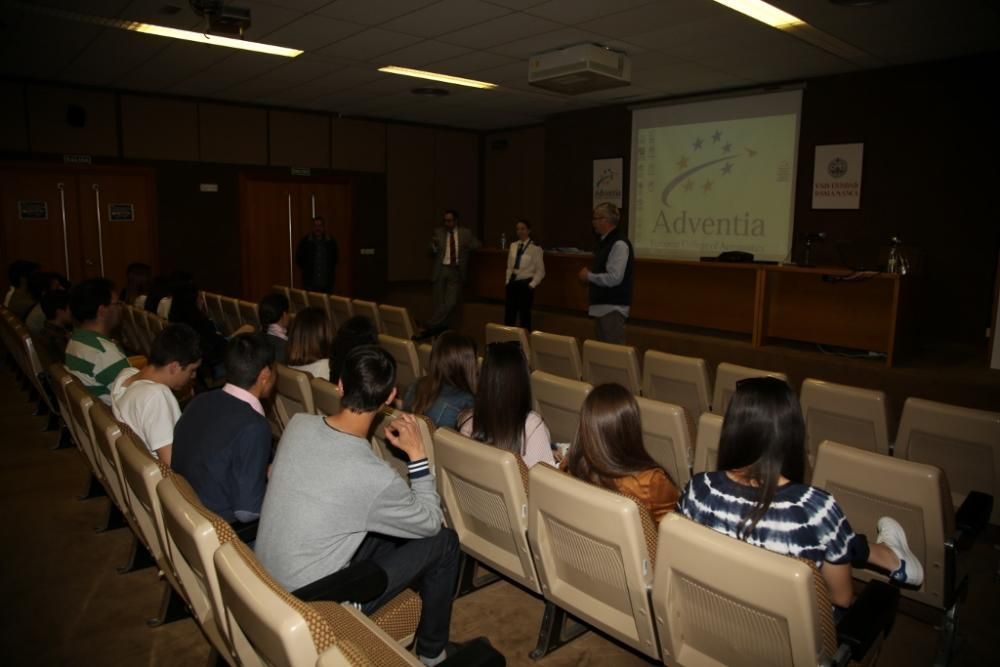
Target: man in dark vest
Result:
[[610, 278], [317, 257]]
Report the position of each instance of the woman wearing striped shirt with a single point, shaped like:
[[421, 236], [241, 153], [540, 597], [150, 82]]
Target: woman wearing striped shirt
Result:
[[757, 495]]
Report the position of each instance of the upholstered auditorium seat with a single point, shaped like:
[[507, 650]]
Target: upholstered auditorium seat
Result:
[[849, 415], [964, 443], [297, 299], [396, 321], [213, 302], [407, 362], [558, 355], [706, 446], [667, 439], [231, 312], [726, 377], [292, 394], [319, 300], [682, 381], [248, 313], [326, 397], [369, 309], [341, 308], [605, 363], [392, 455], [558, 401], [424, 354], [499, 333]]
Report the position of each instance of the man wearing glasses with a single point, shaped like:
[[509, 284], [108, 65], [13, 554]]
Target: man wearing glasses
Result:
[[610, 279], [452, 247], [91, 355]]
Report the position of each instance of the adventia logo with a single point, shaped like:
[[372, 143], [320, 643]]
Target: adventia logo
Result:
[[734, 226], [604, 193], [686, 179]]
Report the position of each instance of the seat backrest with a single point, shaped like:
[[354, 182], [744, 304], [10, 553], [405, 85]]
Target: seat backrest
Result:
[[106, 433], [849, 415], [59, 378], [341, 309], [558, 355], [141, 474], [720, 601], [156, 325], [484, 493], [594, 555], [369, 309], [558, 400], [424, 354], [281, 630], [667, 439], [682, 381], [80, 402], [194, 534], [499, 333], [407, 362], [326, 397], [282, 289], [869, 486], [396, 321], [706, 445], [964, 443], [248, 313], [297, 299], [214, 305], [293, 394], [231, 312], [726, 377], [605, 363], [319, 300]]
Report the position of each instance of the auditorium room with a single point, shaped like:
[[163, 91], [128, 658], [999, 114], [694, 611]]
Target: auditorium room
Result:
[[372, 333]]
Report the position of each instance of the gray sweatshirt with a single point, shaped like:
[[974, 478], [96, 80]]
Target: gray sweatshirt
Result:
[[327, 491]]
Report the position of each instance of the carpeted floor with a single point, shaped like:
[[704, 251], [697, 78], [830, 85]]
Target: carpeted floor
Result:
[[64, 602]]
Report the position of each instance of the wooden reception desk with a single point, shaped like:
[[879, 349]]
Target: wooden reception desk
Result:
[[767, 302]]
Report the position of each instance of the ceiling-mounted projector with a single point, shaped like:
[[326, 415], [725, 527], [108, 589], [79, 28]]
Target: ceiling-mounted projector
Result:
[[222, 19], [581, 68]]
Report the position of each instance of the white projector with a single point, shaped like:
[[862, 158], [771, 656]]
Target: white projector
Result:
[[581, 68]]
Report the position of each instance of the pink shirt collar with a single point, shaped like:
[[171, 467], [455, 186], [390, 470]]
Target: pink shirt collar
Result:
[[277, 330], [245, 396]]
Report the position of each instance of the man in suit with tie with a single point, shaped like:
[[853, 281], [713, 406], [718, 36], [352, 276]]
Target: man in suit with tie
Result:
[[452, 247]]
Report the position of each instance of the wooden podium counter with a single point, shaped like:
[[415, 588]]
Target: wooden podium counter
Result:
[[767, 302]]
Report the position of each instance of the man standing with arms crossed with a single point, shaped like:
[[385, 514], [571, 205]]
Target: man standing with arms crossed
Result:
[[610, 278]]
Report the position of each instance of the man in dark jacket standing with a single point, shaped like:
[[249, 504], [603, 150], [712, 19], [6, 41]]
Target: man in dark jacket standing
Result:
[[317, 257], [610, 278]]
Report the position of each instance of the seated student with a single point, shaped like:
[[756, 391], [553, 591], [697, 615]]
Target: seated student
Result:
[[608, 451], [54, 336], [502, 414], [137, 278], [309, 341], [274, 317], [222, 442], [39, 284], [159, 290], [188, 307], [448, 388], [355, 332], [757, 495], [144, 399], [18, 299], [331, 502], [91, 355]]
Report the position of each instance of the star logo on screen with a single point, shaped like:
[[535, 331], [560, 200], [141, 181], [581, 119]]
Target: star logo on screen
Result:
[[688, 169]]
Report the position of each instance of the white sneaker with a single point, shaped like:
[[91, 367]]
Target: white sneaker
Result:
[[892, 535]]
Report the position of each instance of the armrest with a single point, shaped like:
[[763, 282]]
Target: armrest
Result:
[[971, 518], [358, 582], [871, 614]]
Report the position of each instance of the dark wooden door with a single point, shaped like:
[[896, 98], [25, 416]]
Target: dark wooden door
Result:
[[334, 203]]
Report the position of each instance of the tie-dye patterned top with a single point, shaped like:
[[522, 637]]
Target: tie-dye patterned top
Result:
[[802, 520]]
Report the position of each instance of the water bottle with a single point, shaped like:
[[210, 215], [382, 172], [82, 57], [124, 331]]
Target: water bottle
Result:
[[503, 240]]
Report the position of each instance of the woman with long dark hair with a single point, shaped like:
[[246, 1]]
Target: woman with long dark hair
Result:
[[309, 340], [757, 495], [448, 388], [188, 307], [502, 414], [608, 451]]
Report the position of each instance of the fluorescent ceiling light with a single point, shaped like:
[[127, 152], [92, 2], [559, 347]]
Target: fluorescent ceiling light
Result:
[[763, 12], [163, 31], [434, 76], [211, 40]]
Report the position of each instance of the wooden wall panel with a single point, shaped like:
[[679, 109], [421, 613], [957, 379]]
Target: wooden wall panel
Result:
[[514, 167], [456, 176], [159, 129], [299, 139], [233, 134], [359, 145], [13, 131], [411, 215], [50, 116]]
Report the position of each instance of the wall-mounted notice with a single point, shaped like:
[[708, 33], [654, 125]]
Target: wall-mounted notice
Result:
[[608, 181], [121, 213], [32, 210], [837, 176]]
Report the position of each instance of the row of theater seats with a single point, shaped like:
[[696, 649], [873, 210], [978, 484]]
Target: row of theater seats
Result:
[[138, 329], [963, 442]]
